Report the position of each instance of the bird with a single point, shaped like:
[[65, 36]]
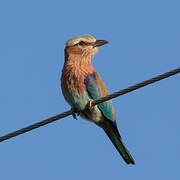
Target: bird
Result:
[[81, 84]]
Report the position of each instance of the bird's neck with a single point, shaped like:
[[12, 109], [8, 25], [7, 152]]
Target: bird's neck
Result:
[[78, 64]]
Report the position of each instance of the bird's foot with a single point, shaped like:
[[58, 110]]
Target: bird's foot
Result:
[[75, 112], [89, 104]]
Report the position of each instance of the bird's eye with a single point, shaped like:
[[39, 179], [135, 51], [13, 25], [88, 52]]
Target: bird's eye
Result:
[[82, 43]]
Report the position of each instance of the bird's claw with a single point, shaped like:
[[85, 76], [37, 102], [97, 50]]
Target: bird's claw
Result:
[[75, 112], [74, 116], [89, 104]]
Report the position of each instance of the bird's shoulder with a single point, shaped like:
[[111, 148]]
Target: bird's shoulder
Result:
[[94, 80]]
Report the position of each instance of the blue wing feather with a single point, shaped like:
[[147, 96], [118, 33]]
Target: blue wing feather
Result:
[[96, 89]]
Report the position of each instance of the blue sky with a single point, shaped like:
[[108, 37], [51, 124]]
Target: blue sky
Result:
[[144, 41]]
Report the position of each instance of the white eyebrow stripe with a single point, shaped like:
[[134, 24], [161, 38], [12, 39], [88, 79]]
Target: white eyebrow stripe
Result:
[[75, 40]]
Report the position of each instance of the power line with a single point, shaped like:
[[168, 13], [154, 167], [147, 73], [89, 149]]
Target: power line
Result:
[[95, 102]]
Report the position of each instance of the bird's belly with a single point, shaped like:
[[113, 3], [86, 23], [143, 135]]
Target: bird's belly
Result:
[[93, 114], [77, 101]]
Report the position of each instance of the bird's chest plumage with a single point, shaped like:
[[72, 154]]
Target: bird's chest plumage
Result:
[[73, 76], [73, 86], [73, 81]]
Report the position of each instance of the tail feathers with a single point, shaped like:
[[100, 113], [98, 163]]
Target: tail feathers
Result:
[[115, 138]]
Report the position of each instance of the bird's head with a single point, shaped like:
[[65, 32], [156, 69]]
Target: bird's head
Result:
[[84, 45]]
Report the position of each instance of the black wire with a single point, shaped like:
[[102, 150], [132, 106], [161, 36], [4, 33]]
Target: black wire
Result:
[[95, 102]]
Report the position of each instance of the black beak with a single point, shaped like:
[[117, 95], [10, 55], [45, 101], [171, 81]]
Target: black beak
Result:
[[98, 43]]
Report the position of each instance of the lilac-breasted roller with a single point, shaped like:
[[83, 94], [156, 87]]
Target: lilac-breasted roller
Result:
[[81, 84]]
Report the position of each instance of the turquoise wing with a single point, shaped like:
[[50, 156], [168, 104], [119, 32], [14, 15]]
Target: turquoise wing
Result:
[[97, 89]]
